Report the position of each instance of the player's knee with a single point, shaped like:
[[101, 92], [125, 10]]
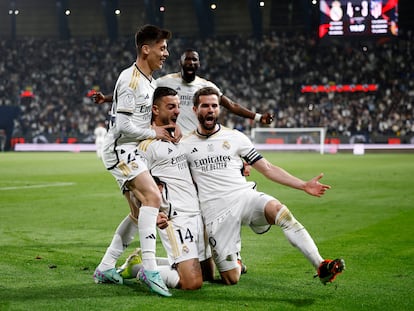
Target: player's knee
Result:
[[286, 220], [191, 277], [272, 208], [191, 283], [231, 277]]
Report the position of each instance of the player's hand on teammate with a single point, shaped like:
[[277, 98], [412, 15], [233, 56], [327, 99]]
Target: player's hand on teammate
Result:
[[266, 118], [315, 188], [162, 220], [177, 133], [165, 132]]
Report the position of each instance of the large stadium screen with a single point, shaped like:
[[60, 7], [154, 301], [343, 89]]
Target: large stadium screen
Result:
[[353, 18]]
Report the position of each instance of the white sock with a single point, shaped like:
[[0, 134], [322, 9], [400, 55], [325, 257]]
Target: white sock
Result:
[[169, 276], [123, 236], [298, 236], [162, 261], [147, 221]]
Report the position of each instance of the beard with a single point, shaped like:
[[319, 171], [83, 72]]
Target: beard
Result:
[[188, 74], [207, 123]]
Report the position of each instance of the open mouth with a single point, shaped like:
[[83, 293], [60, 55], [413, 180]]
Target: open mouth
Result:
[[189, 70], [190, 73], [209, 120]]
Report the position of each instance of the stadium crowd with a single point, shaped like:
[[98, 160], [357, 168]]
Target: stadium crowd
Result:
[[51, 81]]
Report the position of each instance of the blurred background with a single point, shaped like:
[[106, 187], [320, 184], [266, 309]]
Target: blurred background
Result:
[[343, 65]]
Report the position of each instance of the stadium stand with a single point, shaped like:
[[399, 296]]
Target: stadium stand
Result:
[[264, 75]]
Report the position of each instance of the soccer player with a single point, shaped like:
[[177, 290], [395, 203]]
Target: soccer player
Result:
[[228, 200], [183, 233], [186, 83], [130, 122]]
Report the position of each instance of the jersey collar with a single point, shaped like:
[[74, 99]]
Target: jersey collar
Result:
[[211, 134], [148, 78]]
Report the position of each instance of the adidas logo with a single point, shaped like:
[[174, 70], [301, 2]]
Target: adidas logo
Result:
[[169, 150], [194, 150], [151, 236], [147, 97]]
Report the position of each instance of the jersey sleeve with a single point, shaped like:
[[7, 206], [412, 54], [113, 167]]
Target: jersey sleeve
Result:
[[124, 96], [127, 128], [246, 149]]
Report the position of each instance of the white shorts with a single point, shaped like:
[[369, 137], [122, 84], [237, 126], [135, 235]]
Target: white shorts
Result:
[[184, 239], [129, 164], [223, 231]]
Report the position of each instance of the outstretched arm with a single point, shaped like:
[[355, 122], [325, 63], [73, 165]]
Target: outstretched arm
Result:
[[238, 109], [279, 175]]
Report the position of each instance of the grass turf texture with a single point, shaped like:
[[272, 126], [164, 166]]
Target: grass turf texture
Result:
[[59, 211]]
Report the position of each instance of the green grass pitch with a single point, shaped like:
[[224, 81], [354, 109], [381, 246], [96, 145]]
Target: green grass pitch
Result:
[[58, 212]]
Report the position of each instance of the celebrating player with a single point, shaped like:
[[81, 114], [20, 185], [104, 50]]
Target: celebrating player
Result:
[[186, 83], [130, 122], [183, 233], [227, 200]]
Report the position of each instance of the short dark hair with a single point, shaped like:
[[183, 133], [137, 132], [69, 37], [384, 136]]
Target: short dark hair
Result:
[[162, 91], [189, 50], [148, 34], [204, 91]]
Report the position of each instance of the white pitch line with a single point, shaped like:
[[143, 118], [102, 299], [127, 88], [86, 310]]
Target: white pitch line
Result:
[[58, 184]]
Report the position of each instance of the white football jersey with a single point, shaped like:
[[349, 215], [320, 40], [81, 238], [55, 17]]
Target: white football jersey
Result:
[[133, 95], [216, 164], [187, 120], [168, 162]]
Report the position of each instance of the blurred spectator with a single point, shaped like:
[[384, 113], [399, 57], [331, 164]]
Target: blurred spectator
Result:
[[99, 133], [3, 139]]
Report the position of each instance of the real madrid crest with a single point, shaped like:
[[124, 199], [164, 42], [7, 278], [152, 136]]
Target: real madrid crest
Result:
[[226, 145]]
